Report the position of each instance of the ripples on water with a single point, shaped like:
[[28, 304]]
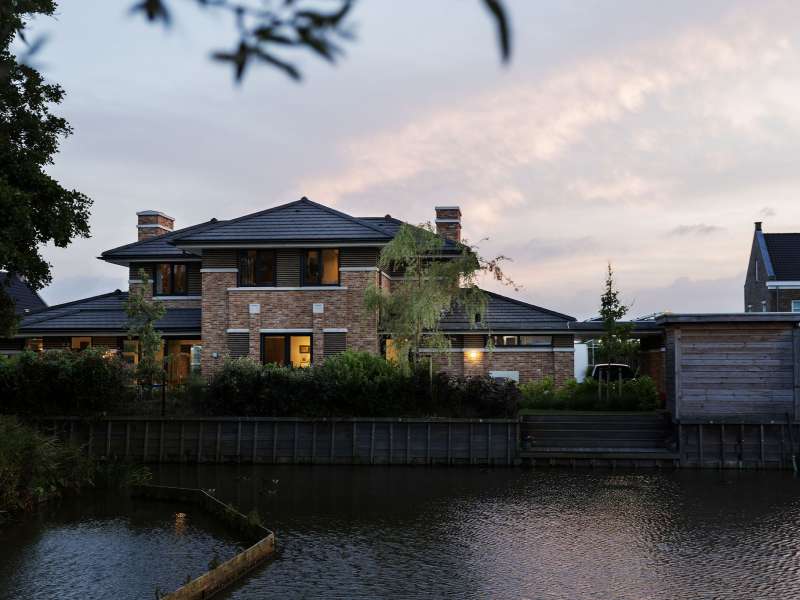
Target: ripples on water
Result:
[[400, 532], [83, 549]]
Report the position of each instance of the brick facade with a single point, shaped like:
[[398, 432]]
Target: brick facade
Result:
[[532, 366]]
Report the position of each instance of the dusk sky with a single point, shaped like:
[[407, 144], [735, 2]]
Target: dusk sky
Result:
[[648, 134]]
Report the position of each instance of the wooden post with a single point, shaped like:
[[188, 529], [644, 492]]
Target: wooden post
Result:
[[274, 442], [471, 458], [428, 445], [372, 444], [449, 443], [391, 441], [255, 442], [146, 434], [761, 440], [200, 442], [355, 440], [508, 443], [313, 441], [71, 431], [333, 440], [408, 443], [108, 439], [181, 457], [294, 448], [796, 355], [239, 440], [678, 375], [700, 445], [721, 446], [489, 443], [90, 443], [218, 449], [127, 438]]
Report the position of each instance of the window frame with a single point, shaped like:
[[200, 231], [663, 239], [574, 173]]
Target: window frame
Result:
[[518, 340], [240, 283], [304, 265], [287, 347], [172, 291]]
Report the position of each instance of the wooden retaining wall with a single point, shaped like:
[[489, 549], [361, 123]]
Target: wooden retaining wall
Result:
[[294, 441], [739, 445]]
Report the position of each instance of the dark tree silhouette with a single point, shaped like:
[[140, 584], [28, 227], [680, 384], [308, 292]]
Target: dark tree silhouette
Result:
[[34, 208]]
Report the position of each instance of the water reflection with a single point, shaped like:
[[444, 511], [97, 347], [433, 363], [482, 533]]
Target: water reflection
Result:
[[394, 532]]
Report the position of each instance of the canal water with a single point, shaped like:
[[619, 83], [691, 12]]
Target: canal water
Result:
[[416, 532]]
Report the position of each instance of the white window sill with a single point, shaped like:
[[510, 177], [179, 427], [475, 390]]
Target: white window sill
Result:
[[308, 288]]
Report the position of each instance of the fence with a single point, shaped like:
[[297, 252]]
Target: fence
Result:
[[295, 440]]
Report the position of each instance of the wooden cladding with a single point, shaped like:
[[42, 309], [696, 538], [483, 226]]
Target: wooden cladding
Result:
[[238, 344], [334, 343]]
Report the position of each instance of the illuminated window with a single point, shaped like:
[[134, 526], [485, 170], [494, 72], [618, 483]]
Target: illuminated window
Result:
[[321, 267], [286, 350]]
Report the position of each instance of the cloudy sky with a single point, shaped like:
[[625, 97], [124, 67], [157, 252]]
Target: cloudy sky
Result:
[[648, 134]]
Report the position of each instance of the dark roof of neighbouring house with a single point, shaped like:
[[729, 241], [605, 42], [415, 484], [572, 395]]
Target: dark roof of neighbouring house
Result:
[[25, 298], [155, 247], [299, 221], [507, 314], [784, 255], [103, 313]]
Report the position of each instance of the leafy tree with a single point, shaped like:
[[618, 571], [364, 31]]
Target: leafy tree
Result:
[[616, 345], [268, 29], [433, 283], [35, 208], [143, 312]]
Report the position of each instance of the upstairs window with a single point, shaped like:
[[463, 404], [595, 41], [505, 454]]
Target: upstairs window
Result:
[[170, 280], [321, 267], [796, 306], [257, 268]]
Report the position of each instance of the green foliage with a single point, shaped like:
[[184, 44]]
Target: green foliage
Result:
[[266, 31], [35, 467], [64, 383], [433, 284], [143, 313], [638, 394], [36, 209], [616, 344], [353, 384]]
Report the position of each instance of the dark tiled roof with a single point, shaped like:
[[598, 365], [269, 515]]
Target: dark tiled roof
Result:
[[391, 226], [784, 253], [103, 313], [300, 221], [25, 299], [157, 246], [507, 314]]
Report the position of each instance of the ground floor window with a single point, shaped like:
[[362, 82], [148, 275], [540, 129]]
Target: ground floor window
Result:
[[286, 349]]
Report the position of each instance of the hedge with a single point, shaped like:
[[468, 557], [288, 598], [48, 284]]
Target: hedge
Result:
[[638, 394]]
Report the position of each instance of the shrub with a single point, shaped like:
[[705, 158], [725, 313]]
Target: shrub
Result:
[[64, 382], [35, 467], [637, 394], [541, 394]]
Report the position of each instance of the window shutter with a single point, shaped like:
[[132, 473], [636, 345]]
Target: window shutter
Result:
[[334, 343], [239, 344]]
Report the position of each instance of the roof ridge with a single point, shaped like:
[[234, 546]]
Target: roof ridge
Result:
[[529, 305], [162, 236], [303, 200]]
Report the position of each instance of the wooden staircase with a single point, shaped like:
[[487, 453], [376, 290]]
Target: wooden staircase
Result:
[[602, 439]]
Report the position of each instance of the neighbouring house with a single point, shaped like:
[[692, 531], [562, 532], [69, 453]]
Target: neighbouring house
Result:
[[286, 285], [26, 301], [772, 283]]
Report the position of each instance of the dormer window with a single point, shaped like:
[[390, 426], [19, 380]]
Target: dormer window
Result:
[[257, 268], [170, 280], [321, 267]]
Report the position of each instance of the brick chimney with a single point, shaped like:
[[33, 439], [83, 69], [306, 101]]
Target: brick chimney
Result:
[[448, 222], [758, 225], [152, 223]]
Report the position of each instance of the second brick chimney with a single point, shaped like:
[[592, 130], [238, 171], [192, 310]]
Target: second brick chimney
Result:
[[152, 223], [448, 222]]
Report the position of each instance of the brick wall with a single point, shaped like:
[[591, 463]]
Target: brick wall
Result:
[[532, 366]]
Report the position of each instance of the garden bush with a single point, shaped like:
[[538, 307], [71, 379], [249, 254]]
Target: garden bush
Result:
[[353, 384], [64, 383], [638, 394]]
